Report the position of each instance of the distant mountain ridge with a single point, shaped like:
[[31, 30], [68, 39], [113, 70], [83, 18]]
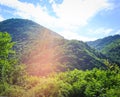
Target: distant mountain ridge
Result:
[[101, 43], [110, 46], [44, 51]]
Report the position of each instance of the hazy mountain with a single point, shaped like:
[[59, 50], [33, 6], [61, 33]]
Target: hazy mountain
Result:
[[99, 44], [110, 46], [44, 51]]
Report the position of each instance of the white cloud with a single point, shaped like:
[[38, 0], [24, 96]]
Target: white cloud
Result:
[[78, 12], [117, 32], [73, 35], [1, 18], [108, 31], [101, 31], [72, 14], [29, 11], [51, 1]]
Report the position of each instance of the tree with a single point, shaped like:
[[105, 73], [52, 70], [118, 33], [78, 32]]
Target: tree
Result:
[[6, 59], [10, 70]]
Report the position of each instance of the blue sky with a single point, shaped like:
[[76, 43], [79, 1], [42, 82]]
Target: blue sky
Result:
[[74, 19]]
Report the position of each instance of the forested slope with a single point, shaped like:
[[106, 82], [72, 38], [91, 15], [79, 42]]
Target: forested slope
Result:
[[44, 51], [109, 46]]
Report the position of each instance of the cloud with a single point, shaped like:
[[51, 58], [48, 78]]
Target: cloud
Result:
[[1, 18], [71, 14], [72, 35], [101, 31], [78, 12], [108, 31], [51, 1], [117, 32], [29, 11]]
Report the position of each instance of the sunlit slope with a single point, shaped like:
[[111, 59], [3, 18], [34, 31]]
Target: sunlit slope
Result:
[[99, 44], [44, 51], [112, 51], [110, 46]]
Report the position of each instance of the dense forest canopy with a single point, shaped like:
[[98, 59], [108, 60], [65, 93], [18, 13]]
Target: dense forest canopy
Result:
[[15, 82]]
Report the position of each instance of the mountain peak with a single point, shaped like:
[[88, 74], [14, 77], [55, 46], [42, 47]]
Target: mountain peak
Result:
[[44, 51]]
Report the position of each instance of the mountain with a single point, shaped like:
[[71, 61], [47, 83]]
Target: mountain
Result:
[[99, 44], [109, 46], [44, 51]]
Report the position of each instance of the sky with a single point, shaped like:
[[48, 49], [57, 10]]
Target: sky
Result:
[[84, 20]]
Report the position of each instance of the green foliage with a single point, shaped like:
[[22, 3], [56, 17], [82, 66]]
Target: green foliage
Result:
[[6, 62], [76, 83], [99, 44], [109, 46], [77, 54], [112, 51], [50, 88], [10, 72]]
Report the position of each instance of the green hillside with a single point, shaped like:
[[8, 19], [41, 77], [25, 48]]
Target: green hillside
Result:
[[77, 54], [16, 82], [99, 44], [112, 51], [109, 46], [44, 51]]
